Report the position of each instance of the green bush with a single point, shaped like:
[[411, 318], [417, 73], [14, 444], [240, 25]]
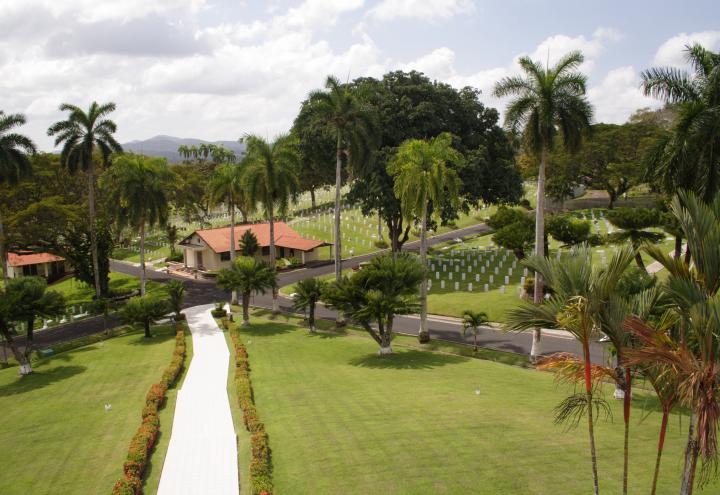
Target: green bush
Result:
[[177, 257]]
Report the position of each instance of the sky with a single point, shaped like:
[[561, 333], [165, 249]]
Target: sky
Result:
[[218, 69]]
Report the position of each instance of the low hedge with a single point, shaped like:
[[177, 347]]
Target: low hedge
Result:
[[142, 443], [260, 462]]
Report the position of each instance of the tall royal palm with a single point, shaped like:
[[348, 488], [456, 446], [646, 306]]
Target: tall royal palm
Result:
[[137, 188], [225, 186], [422, 176], [82, 135], [546, 101], [356, 133], [270, 180], [14, 164], [689, 157]]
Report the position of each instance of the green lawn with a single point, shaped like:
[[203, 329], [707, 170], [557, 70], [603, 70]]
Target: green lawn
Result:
[[77, 292], [55, 431], [342, 420]]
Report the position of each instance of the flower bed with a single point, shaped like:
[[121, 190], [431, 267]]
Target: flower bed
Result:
[[142, 443], [260, 463]]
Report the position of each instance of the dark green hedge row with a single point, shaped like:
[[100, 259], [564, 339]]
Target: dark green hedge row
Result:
[[142, 443], [260, 463]]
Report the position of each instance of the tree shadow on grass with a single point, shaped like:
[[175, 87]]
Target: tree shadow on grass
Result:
[[265, 329], [40, 379], [157, 338], [409, 360]]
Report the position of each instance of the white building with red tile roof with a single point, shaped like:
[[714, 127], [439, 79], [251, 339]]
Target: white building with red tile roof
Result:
[[209, 249], [23, 264]]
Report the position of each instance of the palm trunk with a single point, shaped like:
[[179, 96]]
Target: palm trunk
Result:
[[626, 417], [661, 443], [311, 317], [340, 321], [691, 455], [25, 368], [147, 329], [536, 349], [275, 302], [313, 203], [93, 229], [678, 247], [591, 426], [385, 338], [3, 255], [142, 257], [246, 309], [233, 297], [424, 335], [638, 259], [475, 347]]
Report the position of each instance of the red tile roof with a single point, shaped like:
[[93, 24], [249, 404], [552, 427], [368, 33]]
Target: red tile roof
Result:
[[15, 259], [219, 239]]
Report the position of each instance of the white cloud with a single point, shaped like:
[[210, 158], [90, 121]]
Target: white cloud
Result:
[[428, 10], [618, 95], [672, 52]]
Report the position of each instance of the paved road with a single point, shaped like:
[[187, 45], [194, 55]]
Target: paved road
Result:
[[204, 291]]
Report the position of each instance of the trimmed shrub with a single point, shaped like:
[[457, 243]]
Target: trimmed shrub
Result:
[[142, 443], [260, 463]]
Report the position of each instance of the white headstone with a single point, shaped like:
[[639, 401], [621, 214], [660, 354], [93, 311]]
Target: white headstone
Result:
[[485, 287], [502, 289], [442, 284], [507, 280], [470, 287], [490, 279], [457, 285]]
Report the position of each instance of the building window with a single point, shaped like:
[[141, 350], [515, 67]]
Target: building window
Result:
[[225, 256], [266, 251]]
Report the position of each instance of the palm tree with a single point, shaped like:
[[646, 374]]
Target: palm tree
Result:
[[184, 151], [14, 164], [472, 321], [225, 186], [270, 180], [82, 134], [176, 295], [372, 297], [547, 101], [247, 276], [689, 156], [138, 189], [580, 294], [307, 294], [422, 176], [692, 291], [356, 133]]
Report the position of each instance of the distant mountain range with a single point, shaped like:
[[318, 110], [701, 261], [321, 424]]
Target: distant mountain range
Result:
[[167, 146]]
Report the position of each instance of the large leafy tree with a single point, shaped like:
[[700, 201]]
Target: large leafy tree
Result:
[[546, 101], [85, 136], [613, 157], [14, 164], [226, 187], [411, 106], [422, 176], [689, 156], [137, 188], [270, 180], [581, 292], [372, 297], [247, 276], [354, 126]]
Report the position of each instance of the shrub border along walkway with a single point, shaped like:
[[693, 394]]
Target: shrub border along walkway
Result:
[[260, 462], [142, 443]]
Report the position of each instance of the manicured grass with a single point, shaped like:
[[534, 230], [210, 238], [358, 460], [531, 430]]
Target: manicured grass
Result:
[[343, 420], [77, 292], [55, 428]]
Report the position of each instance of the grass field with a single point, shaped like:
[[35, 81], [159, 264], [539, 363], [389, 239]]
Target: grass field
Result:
[[342, 420], [55, 431], [77, 293]]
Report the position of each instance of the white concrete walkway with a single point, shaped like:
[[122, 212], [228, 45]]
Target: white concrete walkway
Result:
[[202, 455]]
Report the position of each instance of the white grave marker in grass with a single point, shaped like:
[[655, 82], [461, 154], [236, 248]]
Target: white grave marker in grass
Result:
[[502, 289], [442, 284], [457, 286], [470, 287], [491, 279], [485, 287]]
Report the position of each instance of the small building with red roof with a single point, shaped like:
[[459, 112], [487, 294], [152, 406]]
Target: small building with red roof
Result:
[[28, 263], [209, 249]]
